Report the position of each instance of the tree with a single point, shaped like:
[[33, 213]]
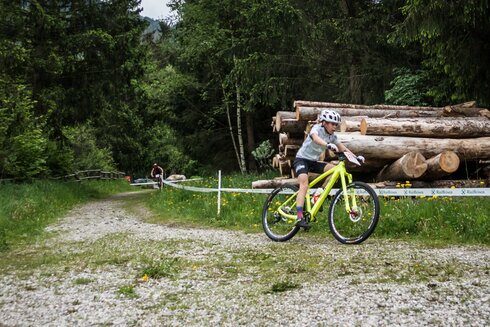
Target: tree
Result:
[[245, 56], [22, 138], [67, 63], [22, 134], [408, 88], [454, 36]]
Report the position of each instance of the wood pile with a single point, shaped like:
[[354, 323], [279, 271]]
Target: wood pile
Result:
[[398, 142]]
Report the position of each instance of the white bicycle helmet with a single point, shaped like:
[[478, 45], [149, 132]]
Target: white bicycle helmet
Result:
[[329, 116]]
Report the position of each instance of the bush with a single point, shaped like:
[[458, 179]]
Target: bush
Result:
[[86, 150], [407, 88], [263, 154], [22, 139]]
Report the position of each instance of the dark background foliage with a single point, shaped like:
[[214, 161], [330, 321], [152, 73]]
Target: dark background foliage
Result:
[[85, 84]]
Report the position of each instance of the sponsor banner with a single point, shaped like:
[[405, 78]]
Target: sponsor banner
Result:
[[434, 192]]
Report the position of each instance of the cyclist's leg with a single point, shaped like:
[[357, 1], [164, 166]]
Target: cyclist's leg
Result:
[[327, 167], [303, 187], [301, 167]]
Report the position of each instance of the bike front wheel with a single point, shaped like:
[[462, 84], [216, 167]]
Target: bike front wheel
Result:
[[277, 227], [357, 224]]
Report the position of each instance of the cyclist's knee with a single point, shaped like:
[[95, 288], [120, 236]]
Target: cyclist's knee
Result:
[[328, 166], [303, 180]]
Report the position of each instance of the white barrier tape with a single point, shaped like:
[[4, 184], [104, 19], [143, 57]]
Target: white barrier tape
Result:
[[139, 184], [381, 192], [155, 183]]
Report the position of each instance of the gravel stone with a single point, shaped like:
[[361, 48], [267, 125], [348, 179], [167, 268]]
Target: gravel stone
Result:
[[385, 292]]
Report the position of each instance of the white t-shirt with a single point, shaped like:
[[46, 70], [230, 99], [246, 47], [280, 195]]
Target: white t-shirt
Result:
[[312, 151]]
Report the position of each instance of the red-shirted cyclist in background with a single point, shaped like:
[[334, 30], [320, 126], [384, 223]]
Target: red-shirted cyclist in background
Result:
[[157, 174]]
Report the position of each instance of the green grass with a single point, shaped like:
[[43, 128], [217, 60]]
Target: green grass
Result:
[[283, 286], [456, 220], [127, 291], [451, 220], [25, 209], [159, 269], [82, 281]]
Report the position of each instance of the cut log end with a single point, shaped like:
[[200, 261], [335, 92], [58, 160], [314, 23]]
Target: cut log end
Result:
[[363, 126], [414, 164], [449, 161]]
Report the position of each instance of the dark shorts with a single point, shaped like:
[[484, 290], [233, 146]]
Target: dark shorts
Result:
[[303, 166]]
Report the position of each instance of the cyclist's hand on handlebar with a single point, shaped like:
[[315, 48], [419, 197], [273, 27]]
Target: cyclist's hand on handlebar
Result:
[[332, 147], [361, 159]]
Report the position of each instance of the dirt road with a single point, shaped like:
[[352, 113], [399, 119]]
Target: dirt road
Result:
[[104, 265]]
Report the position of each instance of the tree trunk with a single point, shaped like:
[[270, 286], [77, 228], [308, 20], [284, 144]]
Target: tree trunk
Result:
[[323, 105], [351, 124], [411, 166], [285, 139], [243, 167], [281, 115], [465, 111], [355, 88], [252, 165], [441, 165], [394, 147], [291, 150], [441, 127], [273, 183], [275, 161], [285, 167], [311, 113], [486, 171], [230, 125], [291, 126]]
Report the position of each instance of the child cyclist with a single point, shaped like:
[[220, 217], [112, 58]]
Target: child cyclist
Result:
[[322, 136]]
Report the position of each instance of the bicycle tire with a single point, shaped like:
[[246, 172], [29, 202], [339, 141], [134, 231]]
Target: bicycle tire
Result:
[[276, 227], [356, 227]]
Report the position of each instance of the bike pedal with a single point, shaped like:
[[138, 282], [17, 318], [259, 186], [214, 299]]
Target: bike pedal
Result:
[[307, 228]]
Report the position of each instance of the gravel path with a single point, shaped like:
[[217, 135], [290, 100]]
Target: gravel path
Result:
[[91, 272]]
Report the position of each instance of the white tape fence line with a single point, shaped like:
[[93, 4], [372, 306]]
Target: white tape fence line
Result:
[[477, 191], [421, 192]]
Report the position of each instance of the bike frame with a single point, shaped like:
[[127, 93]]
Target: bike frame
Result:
[[159, 178], [337, 172]]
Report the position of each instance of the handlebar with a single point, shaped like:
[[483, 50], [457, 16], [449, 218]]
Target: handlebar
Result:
[[349, 157]]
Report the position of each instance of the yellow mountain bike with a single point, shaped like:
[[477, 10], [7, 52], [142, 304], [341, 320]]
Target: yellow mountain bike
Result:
[[352, 216]]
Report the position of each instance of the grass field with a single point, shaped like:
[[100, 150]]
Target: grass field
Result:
[[25, 209], [445, 220]]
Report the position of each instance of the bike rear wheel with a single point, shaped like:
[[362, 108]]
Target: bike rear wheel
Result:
[[357, 225], [277, 227]]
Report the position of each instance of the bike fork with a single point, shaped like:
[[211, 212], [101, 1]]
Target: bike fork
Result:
[[349, 195]]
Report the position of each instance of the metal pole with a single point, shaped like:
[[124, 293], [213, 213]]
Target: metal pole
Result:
[[219, 192]]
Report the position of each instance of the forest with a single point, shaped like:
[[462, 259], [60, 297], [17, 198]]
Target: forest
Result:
[[84, 85]]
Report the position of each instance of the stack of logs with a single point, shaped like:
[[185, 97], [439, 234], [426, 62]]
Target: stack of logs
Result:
[[398, 142]]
